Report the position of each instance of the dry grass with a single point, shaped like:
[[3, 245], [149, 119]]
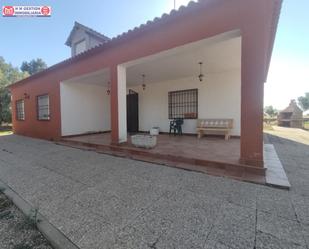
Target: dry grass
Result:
[[5, 133], [268, 127], [293, 134], [5, 129]]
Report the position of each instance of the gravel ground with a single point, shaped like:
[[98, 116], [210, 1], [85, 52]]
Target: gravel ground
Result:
[[17, 231], [104, 202]]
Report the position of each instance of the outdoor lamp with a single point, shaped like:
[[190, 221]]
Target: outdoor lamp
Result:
[[26, 96], [108, 91], [144, 85], [201, 75]]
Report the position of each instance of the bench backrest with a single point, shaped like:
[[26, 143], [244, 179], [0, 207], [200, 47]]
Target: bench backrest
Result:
[[215, 123]]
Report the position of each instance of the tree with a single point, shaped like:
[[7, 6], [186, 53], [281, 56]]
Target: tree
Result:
[[33, 66], [303, 101], [270, 110], [8, 75], [5, 101]]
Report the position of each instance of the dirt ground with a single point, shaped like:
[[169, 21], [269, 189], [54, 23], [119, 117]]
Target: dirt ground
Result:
[[296, 135], [5, 130], [18, 231]]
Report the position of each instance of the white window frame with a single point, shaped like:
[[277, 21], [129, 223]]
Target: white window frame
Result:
[[43, 111], [20, 110]]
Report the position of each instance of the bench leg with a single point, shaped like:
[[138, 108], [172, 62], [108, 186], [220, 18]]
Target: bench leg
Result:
[[227, 136], [199, 134]]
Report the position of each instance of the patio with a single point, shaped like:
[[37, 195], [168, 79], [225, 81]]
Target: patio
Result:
[[210, 154], [188, 146]]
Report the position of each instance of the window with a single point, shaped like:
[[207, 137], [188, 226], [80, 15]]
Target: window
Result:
[[183, 104], [80, 47], [43, 107], [20, 109]]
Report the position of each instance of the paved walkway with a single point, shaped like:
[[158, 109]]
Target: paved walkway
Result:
[[101, 201]]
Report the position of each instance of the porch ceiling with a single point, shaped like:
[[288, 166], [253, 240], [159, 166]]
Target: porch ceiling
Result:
[[183, 61], [100, 77]]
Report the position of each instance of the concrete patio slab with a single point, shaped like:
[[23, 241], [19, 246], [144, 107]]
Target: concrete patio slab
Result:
[[275, 173], [99, 201]]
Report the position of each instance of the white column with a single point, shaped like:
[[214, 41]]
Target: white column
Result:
[[122, 103]]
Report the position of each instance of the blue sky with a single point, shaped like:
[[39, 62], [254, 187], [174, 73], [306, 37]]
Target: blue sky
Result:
[[289, 71], [27, 38]]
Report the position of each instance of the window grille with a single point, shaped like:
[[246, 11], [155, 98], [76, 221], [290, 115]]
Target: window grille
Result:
[[20, 109], [43, 107], [183, 104]]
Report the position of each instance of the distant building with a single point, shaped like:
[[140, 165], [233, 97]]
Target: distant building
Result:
[[292, 116]]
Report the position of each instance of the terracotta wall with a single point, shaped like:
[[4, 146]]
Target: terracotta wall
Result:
[[31, 126]]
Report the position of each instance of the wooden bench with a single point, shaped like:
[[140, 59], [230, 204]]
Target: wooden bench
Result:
[[214, 126]]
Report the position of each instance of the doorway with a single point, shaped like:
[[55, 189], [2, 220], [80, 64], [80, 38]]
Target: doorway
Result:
[[132, 111]]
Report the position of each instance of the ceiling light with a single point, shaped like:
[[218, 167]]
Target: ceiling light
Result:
[[143, 82], [108, 91], [201, 75]]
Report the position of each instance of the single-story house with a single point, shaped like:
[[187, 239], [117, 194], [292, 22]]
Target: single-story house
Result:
[[208, 60]]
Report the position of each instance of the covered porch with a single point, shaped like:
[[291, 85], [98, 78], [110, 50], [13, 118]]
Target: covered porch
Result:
[[199, 80], [210, 67]]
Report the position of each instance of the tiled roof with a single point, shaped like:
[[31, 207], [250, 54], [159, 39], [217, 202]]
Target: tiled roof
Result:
[[88, 30], [293, 107]]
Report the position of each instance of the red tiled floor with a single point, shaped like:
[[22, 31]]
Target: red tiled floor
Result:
[[206, 148]]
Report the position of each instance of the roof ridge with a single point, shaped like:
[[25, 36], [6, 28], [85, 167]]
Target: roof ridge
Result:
[[86, 27], [161, 18]]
